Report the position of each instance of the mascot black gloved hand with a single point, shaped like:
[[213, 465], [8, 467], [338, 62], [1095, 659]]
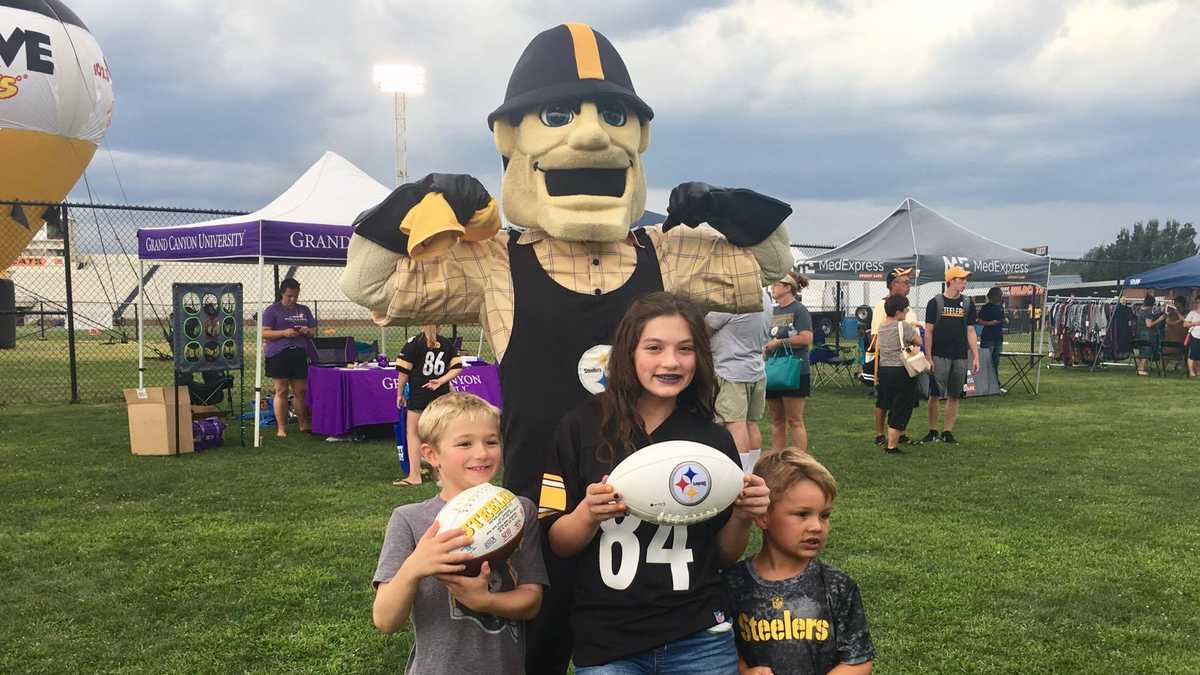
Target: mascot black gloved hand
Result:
[[744, 216], [570, 133]]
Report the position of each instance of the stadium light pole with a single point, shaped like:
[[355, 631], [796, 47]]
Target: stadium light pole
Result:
[[399, 80]]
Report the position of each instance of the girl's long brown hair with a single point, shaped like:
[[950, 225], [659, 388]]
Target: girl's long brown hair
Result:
[[620, 423]]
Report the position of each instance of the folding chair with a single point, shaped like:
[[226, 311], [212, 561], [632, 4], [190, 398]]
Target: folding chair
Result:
[[211, 390], [833, 365], [1175, 353], [1155, 361]]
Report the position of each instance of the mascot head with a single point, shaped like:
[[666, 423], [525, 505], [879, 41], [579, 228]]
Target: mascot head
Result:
[[571, 133]]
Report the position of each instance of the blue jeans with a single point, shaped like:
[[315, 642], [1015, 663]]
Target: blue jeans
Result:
[[702, 653]]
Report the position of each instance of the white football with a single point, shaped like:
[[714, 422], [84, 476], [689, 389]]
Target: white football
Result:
[[494, 519], [677, 482]]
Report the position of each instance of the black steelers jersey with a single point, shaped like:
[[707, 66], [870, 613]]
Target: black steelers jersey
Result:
[[638, 585], [422, 363]]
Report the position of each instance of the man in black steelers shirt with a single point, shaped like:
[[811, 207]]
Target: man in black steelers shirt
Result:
[[427, 363]]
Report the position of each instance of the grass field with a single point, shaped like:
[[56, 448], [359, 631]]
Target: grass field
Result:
[[1061, 536]]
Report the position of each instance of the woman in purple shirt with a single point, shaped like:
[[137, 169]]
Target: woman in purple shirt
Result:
[[288, 328]]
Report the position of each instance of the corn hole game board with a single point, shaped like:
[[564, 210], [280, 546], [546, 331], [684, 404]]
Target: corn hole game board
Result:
[[207, 326]]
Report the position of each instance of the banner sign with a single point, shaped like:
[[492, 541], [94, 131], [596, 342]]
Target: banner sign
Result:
[[268, 238]]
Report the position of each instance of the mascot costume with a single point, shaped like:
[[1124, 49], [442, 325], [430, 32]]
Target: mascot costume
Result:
[[570, 133]]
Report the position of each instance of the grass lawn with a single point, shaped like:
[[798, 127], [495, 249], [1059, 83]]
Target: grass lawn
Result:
[[1061, 536]]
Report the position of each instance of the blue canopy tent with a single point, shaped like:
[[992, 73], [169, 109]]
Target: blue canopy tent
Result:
[[1179, 274]]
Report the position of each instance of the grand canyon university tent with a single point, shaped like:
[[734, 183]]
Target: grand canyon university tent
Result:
[[309, 224]]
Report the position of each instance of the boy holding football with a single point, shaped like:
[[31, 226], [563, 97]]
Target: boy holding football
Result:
[[463, 624], [793, 613]]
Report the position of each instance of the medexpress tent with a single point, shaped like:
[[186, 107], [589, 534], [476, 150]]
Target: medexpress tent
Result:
[[1179, 274], [309, 224], [915, 234]]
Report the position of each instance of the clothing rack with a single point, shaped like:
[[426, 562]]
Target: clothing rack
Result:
[[1083, 329]]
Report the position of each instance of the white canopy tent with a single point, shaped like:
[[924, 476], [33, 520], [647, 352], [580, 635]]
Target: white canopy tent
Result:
[[309, 223]]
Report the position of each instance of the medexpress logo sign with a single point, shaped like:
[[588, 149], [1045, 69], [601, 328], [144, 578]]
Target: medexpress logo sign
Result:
[[863, 269], [1010, 270]]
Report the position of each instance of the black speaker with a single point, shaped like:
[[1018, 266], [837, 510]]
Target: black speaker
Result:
[[8, 314], [335, 350], [826, 325]]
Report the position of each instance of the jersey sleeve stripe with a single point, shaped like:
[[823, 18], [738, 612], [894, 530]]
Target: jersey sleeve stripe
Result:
[[552, 499]]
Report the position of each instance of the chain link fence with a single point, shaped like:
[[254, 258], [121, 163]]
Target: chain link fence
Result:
[[82, 271]]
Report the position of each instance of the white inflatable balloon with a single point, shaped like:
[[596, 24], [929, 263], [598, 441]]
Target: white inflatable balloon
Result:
[[56, 102]]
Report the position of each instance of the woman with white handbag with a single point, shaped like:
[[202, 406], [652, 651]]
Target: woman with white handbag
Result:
[[900, 361]]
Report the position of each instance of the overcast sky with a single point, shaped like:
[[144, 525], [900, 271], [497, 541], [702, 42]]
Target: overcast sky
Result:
[[1031, 122]]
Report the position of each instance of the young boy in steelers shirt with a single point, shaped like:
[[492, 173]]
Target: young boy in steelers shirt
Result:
[[793, 613]]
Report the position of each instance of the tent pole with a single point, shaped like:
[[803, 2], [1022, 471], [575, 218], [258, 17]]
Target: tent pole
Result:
[[258, 359], [141, 313], [1037, 381]]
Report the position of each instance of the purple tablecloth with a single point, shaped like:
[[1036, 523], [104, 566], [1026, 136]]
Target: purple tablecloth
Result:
[[481, 379], [343, 398]]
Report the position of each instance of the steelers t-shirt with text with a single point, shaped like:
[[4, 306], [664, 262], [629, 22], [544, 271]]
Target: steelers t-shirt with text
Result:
[[806, 624]]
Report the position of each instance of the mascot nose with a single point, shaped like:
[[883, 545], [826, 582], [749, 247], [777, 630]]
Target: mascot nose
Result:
[[587, 132]]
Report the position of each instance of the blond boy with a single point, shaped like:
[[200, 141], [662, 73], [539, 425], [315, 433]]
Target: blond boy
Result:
[[462, 624], [793, 613]]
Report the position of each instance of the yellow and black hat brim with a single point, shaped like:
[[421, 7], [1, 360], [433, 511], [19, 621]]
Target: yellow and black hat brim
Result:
[[569, 61]]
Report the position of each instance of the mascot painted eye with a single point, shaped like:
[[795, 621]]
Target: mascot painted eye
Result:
[[557, 115], [613, 114]]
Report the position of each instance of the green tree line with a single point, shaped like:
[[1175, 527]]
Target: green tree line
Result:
[[1143, 247]]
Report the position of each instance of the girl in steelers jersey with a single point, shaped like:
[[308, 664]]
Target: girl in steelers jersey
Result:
[[645, 593], [427, 363]]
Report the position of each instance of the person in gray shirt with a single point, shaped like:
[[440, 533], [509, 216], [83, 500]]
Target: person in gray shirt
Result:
[[737, 345], [462, 624]]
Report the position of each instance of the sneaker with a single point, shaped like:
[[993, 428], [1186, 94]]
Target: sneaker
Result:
[[931, 437], [894, 451], [904, 440], [948, 437], [879, 440]]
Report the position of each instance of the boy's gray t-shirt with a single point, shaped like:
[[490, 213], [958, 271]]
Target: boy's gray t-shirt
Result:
[[806, 624], [451, 638]]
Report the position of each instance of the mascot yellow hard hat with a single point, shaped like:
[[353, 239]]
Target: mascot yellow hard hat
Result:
[[568, 61]]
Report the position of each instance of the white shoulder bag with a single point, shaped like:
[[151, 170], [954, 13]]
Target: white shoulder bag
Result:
[[914, 361]]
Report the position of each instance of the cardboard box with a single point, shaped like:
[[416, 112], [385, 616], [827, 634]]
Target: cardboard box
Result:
[[152, 419]]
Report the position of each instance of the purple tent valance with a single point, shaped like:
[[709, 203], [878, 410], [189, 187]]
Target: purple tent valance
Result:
[[272, 239]]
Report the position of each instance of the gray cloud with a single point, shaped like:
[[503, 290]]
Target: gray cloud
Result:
[[1025, 111]]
